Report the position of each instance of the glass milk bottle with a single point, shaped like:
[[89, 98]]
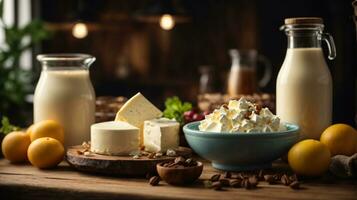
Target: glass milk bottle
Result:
[[64, 93], [304, 84]]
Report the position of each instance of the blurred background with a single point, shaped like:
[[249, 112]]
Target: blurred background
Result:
[[163, 47]]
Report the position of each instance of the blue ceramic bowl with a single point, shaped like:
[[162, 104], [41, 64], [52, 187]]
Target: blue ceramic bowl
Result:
[[241, 151]]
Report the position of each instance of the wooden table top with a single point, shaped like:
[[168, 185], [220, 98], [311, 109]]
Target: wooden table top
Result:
[[27, 182]]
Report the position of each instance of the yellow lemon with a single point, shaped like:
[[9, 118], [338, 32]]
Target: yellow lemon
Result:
[[14, 146], [341, 139], [47, 128], [45, 152], [29, 129], [309, 158]]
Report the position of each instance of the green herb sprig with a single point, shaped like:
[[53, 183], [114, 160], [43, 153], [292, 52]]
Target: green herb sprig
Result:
[[7, 127], [175, 109]]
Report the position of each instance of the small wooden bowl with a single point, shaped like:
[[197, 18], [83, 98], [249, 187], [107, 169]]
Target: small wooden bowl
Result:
[[179, 176]]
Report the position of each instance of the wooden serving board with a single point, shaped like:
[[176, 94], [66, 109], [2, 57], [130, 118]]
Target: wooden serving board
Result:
[[117, 165]]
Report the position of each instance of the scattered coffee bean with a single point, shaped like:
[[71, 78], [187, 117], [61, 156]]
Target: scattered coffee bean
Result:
[[236, 183], [224, 182], [269, 178], [261, 175], [253, 181], [217, 185], [246, 184], [215, 177], [227, 175], [154, 180], [295, 185], [293, 178], [240, 176], [285, 180]]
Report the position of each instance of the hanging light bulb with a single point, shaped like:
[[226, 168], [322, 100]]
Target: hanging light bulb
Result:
[[167, 22], [80, 30]]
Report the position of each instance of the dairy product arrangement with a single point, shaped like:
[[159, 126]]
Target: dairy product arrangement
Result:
[[241, 116], [137, 126]]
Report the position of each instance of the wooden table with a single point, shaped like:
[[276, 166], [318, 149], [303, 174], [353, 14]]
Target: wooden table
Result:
[[27, 182]]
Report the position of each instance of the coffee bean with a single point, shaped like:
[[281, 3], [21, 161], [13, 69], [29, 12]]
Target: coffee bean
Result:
[[217, 185], [253, 181], [227, 175], [285, 180], [269, 178], [295, 185], [293, 178], [240, 176], [224, 182], [246, 184], [190, 162], [261, 175], [215, 177], [154, 180], [180, 160], [236, 183]]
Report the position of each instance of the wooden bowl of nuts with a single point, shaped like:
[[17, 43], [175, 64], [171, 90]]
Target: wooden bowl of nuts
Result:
[[181, 171]]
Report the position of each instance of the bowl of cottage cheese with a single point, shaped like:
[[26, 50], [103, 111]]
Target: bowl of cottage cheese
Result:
[[240, 136]]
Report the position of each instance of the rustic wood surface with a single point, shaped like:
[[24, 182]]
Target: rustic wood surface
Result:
[[117, 165], [27, 182]]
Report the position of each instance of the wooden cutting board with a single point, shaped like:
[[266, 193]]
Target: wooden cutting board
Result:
[[117, 165]]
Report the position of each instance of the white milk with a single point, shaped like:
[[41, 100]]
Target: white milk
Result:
[[66, 96], [304, 91]]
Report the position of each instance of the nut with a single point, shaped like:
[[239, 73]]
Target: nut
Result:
[[269, 178]]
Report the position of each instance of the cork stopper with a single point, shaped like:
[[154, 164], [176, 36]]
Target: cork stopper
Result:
[[303, 20]]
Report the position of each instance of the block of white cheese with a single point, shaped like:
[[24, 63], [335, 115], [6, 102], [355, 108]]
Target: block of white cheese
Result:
[[161, 134], [114, 138], [136, 110]]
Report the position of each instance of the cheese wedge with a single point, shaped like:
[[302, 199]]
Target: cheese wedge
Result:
[[114, 138], [161, 135], [136, 110]]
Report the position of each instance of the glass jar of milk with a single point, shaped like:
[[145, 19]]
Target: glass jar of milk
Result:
[[64, 93], [304, 84]]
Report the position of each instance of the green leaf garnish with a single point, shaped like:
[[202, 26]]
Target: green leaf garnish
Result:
[[175, 108]]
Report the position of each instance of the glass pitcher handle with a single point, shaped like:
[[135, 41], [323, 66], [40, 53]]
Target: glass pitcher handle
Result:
[[330, 45], [267, 71]]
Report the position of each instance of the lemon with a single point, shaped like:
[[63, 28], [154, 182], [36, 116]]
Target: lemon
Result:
[[47, 128], [309, 158], [14, 146], [341, 139], [45, 152], [29, 129]]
